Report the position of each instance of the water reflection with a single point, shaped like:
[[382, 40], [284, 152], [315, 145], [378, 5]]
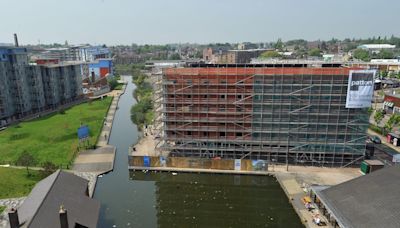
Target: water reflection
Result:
[[218, 200]]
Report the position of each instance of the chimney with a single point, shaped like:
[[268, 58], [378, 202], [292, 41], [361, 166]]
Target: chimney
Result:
[[63, 217], [13, 217], [16, 40]]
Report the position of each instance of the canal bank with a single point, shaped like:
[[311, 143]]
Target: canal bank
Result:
[[137, 199], [294, 180], [90, 164]]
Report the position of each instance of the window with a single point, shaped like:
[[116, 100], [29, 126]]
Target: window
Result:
[[239, 134], [205, 134], [223, 96], [188, 96], [205, 82], [205, 96], [239, 96], [222, 134], [223, 82], [189, 133], [189, 82]]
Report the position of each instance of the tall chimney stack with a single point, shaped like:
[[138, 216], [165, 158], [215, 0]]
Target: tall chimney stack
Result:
[[16, 40], [13, 217], [63, 217]]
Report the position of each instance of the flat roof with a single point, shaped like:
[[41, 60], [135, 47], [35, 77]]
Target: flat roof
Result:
[[262, 65], [374, 162]]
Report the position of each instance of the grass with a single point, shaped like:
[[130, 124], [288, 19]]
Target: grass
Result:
[[2, 208], [119, 86], [53, 138], [16, 183]]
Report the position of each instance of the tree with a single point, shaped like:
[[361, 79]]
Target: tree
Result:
[[270, 54], [393, 120], [315, 52], [112, 83], [175, 56], [279, 45], [26, 159], [48, 169], [385, 54], [378, 117], [361, 55]]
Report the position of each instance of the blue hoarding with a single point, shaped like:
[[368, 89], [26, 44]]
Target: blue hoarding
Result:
[[83, 132], [146, 161]]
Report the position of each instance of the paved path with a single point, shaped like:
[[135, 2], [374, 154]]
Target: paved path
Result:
[[101, 160]]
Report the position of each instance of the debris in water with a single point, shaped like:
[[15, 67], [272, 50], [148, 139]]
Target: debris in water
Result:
[[174, 174]]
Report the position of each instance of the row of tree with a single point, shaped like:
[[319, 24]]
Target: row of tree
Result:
[[142, 112]]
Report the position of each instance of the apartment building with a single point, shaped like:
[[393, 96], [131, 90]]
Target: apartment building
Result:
[[293, 113], [28, 89]]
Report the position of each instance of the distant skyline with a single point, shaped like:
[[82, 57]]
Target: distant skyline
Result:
[[115, 22]]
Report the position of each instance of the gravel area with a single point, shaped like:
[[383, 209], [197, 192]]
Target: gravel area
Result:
[[9, 203]]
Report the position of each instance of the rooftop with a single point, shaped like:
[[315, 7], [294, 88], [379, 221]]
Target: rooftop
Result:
[[377, 46], [372, 200], [41, 207]]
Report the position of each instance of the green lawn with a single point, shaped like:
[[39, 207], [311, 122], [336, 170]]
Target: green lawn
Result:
[[15, 183], [53, 138]]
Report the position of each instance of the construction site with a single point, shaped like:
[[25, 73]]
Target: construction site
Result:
[[278, 113]]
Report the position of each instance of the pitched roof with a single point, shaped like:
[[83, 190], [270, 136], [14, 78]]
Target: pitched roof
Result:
[[41, 207], [372, 200]]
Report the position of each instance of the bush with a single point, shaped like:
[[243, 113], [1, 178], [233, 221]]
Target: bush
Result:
[[376, 129], [61, 111], [48, 169], [113, 83]]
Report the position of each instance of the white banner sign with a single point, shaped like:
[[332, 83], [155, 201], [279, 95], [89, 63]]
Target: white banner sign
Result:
[[360, 88]]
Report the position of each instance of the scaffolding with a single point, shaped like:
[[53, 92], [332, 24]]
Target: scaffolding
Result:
[[282, 114]]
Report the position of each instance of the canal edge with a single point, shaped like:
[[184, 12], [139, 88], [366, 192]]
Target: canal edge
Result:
[[114, 148]]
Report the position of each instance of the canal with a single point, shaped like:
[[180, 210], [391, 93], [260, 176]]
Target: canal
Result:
[[137, 199]]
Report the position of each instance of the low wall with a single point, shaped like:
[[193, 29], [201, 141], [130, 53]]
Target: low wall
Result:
[[198, 163]]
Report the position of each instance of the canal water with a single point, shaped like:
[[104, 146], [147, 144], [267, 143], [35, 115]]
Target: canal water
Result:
[[137, 199]]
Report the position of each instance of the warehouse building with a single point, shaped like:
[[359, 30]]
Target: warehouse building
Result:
[[294, 113], [28, 89]]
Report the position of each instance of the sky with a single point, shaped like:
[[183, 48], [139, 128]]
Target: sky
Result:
[[114, 22]]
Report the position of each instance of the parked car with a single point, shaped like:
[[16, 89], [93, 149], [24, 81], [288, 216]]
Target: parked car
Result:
[[375, 139]]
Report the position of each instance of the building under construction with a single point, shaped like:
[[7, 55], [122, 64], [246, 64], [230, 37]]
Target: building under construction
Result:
[[293, 113]]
